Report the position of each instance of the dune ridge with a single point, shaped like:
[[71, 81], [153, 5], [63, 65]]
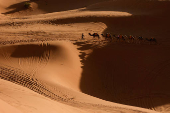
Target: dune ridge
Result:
[[46, 66]]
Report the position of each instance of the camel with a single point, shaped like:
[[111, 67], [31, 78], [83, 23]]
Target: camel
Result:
[[120, 37], [151, 40], [140, 38], [94, 35], [131, 37], [107, 36]]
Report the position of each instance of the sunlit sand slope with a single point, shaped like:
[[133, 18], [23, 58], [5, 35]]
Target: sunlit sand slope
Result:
[[46, 72], [45, 66]]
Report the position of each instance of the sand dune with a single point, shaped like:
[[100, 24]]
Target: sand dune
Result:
[[6, 108], [42, 80], [135, 7], [128, 74], [45, 66], [27, 101], [44, 6], [47, 62]]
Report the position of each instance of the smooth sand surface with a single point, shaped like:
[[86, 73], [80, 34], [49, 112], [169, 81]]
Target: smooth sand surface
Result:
[[46, 66]]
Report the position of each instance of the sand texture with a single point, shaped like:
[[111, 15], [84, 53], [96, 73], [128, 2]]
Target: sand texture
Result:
[[46, 66]]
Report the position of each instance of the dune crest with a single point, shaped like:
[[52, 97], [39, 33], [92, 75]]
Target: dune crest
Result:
[[49, 62]]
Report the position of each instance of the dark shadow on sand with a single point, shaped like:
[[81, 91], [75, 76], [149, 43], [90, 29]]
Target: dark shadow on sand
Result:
[[32, 50], [135, 7], [128, 74], [16, 8], [49, 6], [146, 26]]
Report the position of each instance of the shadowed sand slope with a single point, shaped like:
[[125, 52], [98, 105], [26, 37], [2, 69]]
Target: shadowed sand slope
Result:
[[31, 50], [48, 6], [128, 74], [5, 3], [52, 71], [84, 75], [157, 26], [47, 62], [135, 7]]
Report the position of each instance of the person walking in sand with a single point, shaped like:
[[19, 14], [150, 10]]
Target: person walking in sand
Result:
[[82, 36]]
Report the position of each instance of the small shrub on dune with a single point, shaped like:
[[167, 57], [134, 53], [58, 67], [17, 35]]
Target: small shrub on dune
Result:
[[27, 5]]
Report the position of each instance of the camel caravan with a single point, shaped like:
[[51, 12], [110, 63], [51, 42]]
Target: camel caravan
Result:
[[125, 38]]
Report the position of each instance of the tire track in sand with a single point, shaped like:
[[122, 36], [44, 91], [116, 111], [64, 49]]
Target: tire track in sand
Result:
[[19, 77]]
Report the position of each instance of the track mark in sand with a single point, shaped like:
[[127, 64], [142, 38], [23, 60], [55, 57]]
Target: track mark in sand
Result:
[[19, 77], [147, 101], [156, 71], [27, 80], [28, 57], [33, 62], [27, 41], [140, 99], [149, 82]]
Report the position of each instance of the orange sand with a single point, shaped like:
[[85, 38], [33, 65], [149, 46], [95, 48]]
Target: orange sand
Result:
[[45, 66]]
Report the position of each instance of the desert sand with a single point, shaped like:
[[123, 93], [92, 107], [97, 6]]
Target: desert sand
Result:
[[46, 66]]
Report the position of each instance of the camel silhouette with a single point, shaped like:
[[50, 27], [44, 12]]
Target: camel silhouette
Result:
[[140, 38], [120, 37], [107, 36], [94, 35], [151, 40], [131, 37]]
